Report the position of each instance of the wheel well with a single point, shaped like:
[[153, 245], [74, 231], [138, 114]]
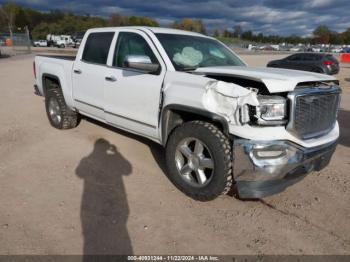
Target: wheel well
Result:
[[50, 82], [176, 115]]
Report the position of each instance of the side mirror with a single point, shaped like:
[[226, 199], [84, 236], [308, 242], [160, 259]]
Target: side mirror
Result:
[[140, 62]]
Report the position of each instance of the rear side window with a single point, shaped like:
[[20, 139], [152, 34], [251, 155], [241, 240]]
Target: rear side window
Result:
[[310, 57], [296, 57], [314, 57], [97, 47]]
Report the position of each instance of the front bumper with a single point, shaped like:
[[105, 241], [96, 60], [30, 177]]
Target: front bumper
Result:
[[265, 168]]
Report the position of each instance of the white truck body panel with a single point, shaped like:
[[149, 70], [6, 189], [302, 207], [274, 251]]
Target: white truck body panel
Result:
[[177, 83], [275, 79], [128, 104], [125, 104], [267, 127], [60, 68], [88, 92]]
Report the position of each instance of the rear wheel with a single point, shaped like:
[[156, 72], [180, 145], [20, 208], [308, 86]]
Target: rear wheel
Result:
[[58, 113], [199, 160]]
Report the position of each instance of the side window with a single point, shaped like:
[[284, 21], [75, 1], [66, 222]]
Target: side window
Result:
[[97, 47], [310, 57], [131, 44], [307, 57], [294, 58], [303, 57]]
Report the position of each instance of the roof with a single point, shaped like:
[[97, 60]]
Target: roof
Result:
[[162, 30], [313, 54], [155, 30]]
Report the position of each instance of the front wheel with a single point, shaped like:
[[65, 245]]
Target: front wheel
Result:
[[199, 160]]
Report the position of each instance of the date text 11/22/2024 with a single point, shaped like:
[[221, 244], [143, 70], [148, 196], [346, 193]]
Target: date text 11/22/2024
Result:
[[173, 258]]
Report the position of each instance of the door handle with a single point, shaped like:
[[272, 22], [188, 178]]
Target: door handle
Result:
[[110, 78], [77, 71]]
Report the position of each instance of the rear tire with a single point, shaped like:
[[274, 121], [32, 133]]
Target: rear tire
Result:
[[192, 173], [58, 113]]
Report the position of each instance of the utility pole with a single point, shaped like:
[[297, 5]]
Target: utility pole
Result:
[[10, 30], [28, 39], [10, 18]]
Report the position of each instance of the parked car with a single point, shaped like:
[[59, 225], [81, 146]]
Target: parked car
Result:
[[295, 49], [77, 38], [318, 63], [223, 124], [60, 41], [337, 49], [40, 43], [65, 41]]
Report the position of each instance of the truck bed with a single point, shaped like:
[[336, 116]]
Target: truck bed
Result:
[[64, 57], [62, 66]]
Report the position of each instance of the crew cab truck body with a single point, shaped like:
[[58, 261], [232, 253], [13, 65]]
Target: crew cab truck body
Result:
[[224, 125]]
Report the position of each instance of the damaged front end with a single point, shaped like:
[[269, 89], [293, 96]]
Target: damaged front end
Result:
[[230, 101], [241, 105], [263, 167]]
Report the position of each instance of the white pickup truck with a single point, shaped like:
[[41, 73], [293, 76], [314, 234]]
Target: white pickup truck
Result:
[[224, 125]]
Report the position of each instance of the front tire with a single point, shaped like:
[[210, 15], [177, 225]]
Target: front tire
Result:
[[58, 113], [199, 160]]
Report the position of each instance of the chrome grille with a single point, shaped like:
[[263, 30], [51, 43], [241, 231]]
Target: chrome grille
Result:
[[313, 112]]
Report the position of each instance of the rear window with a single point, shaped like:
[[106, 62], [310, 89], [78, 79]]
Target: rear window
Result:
[[331, 57], [97, 47]]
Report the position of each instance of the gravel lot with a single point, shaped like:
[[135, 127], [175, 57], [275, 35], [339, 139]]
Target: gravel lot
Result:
[[99, 190]]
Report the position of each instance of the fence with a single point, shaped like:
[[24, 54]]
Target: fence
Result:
[[14, 44]]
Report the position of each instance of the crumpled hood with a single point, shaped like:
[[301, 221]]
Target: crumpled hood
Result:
[[275, 79]]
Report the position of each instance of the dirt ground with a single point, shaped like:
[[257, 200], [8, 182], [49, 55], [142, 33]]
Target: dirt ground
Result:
[[95, 189]]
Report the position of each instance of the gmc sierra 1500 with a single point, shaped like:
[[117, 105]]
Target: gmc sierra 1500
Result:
[[224, 125]]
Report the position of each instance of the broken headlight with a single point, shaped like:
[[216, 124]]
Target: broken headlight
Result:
[[272, 110]]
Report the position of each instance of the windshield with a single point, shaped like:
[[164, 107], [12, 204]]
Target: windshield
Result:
[[190, 52]]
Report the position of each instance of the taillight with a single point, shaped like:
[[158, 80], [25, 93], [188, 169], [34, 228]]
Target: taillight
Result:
[[328, 63], [34, 70]]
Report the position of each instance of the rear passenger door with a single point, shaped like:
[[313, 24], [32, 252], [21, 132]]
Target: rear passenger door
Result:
[[89, 74]]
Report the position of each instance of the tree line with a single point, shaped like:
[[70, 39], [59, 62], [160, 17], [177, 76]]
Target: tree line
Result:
[[14, 17], [321, 35]]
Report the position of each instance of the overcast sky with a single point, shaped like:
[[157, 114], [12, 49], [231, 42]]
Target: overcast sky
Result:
[[283, 17]]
